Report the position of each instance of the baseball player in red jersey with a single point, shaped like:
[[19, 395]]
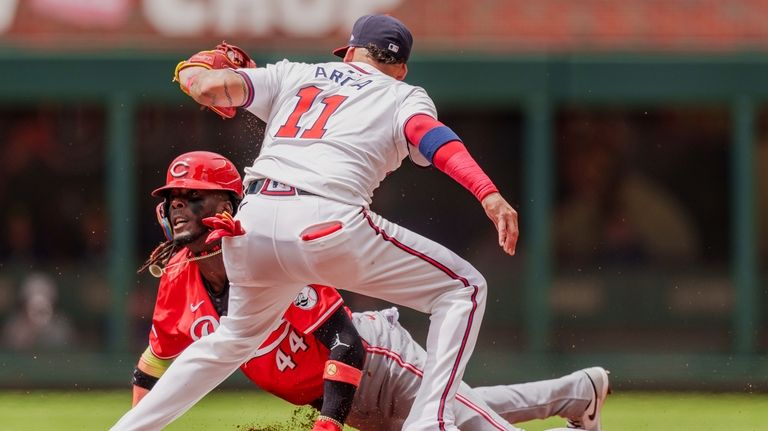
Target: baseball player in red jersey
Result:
[[334, 131], [316, 333], [194, 292]]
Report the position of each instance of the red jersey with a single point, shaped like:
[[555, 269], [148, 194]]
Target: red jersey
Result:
[[292, 362]]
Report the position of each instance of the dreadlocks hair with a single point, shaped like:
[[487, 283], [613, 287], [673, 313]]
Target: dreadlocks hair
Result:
[[159, 256], [165, 250], [381, 55]]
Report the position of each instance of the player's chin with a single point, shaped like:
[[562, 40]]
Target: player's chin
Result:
[[186, 237]]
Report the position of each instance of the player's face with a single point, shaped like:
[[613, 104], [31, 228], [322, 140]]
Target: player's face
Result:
[[188, 208]]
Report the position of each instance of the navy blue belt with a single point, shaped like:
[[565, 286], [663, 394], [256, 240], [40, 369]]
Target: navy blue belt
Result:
[[265, 186]]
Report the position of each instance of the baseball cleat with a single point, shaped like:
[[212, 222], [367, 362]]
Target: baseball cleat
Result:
[[590, 420]]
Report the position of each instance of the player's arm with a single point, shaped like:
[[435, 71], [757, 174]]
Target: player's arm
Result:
[[147, 372], [342, 372], [210, 78], [445, 150], [209, 87]]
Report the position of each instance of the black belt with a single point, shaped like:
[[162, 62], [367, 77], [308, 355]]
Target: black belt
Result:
[[265, 186]]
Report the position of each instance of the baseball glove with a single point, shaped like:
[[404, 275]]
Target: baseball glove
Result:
[[224, 56]]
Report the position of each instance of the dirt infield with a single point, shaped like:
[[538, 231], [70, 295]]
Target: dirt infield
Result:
[[302, 418]]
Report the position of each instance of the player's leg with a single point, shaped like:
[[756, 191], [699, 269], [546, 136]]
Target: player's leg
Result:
[[473, 414], [406, 268], [209, 360], [254, 311], [569, 397], [396, 362], [394, 365], [394, 369]]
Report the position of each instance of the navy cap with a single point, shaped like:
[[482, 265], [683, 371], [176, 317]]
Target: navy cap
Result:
[[385, 32]]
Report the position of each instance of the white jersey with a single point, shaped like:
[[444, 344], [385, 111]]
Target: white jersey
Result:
[[333, 129]]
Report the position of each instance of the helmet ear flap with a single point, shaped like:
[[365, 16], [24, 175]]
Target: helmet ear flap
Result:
[[162, 219]]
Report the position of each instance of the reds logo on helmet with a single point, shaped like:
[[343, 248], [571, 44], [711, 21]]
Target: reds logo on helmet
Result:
[[203, 326], [179, 169], [202, 170]]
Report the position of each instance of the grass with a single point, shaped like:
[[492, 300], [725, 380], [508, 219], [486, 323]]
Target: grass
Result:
[[236, 411], [677, 411]]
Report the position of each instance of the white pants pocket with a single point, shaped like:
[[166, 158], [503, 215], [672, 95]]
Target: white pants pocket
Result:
[[326, 250]]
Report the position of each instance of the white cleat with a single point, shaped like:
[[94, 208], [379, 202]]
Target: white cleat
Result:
[[590, 420]]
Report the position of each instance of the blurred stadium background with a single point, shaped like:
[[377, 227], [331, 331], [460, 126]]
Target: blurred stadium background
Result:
[[631, 135]]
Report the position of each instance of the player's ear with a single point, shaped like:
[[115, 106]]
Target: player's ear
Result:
[[402, 72], [225, 205], [350, 54]]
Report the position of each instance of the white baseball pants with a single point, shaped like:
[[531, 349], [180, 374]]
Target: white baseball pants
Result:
[[393, 374]]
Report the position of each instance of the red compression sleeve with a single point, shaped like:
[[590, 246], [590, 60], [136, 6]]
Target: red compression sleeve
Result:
[[452, 158]]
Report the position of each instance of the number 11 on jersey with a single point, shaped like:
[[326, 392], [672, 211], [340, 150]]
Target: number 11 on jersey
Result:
[[307, 96]]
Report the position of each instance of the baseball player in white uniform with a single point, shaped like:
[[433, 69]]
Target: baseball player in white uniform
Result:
[[334, 131]]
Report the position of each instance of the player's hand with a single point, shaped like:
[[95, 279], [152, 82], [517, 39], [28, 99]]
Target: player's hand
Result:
[[504, 217], [326, 424], [223, 225]]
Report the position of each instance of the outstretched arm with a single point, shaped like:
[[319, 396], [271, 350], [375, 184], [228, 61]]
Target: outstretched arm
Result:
[[224, 87], [210, 78], [441, 146], [342, 370]]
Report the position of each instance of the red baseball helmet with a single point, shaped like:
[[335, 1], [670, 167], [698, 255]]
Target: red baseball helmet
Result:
[[202, 170]]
